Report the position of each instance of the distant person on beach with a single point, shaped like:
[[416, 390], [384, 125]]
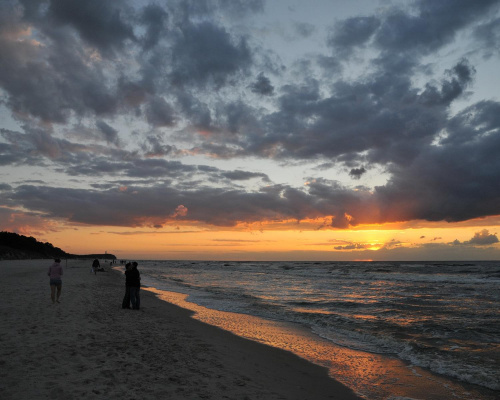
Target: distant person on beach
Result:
[[95, 266], [55, 274], [135, 285], [126, 298]]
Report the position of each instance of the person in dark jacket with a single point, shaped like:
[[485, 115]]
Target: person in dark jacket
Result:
[[126, 298], [95, 266], [134, 279]]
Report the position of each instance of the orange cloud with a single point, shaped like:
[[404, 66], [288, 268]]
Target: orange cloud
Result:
[[180, 211]]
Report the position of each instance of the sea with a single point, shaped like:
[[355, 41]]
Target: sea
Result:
[[388, 330]]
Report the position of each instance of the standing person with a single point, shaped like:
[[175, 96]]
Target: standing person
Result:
[[95, 266], [126, 298], [135, 285], [55, 274]]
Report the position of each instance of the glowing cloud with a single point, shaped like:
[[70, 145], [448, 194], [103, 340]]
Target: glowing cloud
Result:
[[180, 211]]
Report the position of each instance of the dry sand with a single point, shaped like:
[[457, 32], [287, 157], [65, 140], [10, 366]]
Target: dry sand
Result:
[[88, 347]]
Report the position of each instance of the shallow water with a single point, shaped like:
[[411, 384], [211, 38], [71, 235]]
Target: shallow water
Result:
[[368, 322]]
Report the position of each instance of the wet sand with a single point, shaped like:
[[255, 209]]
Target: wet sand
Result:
[[372, 376], [87, 346]]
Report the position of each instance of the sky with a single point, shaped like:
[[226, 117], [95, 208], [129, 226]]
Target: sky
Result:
[[252, 129]]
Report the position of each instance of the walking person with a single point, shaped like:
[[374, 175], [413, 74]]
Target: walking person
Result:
[[135, 285], [95, 266], [126, 298], [55, 274]]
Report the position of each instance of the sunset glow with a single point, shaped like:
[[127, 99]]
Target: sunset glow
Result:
[[243, 243]]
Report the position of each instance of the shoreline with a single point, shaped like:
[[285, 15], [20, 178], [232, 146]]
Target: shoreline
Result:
[[88, 345], [370, 375]]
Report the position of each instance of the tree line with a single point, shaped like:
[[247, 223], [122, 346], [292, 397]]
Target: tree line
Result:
[[18, 247]]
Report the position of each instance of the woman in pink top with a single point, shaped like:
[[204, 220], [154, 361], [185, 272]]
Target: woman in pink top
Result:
[[55, 273]]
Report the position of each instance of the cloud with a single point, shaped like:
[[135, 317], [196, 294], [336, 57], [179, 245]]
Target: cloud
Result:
[[239, 175], [86, 59], [110, 134], [262, 85], [151, 204], [352, 246], [207, 54], [352, 32], [442, 182], [432, 24], [461, 76], [53, 82], [304, 29], [109, 28], [180, 211], [356, 173], [488, 34], [228, 8], [154, 146], [155, 18], [164, 80], [160, 113], [27, 223], [483, 238]]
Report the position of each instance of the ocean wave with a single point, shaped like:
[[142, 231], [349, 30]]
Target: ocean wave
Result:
[[433, 315]]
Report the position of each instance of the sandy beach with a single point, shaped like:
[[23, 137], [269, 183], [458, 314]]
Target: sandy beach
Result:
[[87, 346]]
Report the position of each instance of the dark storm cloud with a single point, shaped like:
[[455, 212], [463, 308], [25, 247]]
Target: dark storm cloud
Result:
[[239, 175], [37, 145], [80, 68], [155, 18], [51, 82], [262, 85], [206, 53], [160, 113], [197, 111], [154, 146], [238, 120], [461, 76], [100, 23], [155, 203], [158, 168], [9, 155], [110, 134], [383, 115], [176, 65], [454, 181], [356, 173], [138, 206], [134, 168]]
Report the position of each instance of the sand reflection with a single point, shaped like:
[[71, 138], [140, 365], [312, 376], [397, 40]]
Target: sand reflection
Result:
[[372, 376]]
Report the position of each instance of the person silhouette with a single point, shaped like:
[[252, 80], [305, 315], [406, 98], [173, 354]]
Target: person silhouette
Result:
[[95, 266], [135, 285], [126, 298], [55, 274]]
